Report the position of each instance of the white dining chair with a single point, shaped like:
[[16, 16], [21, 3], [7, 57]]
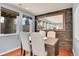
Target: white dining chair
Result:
[[38, 47], [43, 33], [51, 34], [25, 42]]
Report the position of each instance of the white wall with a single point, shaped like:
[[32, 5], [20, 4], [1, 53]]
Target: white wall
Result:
[[76, 29], [11, 41]]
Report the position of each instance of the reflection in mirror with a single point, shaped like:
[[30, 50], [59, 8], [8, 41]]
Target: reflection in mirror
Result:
[[8, 21], [51, 22]]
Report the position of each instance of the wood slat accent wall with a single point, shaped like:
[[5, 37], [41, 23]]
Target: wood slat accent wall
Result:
[[65, 37]]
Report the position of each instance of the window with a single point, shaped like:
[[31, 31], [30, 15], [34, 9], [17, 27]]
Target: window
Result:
[[8, 21], [2, 19], [26, 23]]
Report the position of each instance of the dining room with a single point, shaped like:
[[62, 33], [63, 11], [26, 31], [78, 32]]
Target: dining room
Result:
[[36, 29]]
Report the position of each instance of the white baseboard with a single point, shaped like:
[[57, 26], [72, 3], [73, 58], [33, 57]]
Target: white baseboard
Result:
[[73, 52]]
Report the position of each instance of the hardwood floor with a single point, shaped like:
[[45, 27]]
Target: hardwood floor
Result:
[[18, 53], [63, 52], [14, 53]]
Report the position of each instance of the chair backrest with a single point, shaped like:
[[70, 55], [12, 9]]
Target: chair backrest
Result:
[[43, 33], [25, 40], [51, 34], [38, 47]]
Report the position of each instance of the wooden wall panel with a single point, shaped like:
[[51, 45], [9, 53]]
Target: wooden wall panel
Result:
[[65, 37]]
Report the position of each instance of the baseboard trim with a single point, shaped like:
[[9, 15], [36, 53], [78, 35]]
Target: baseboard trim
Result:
[[9, 51], [73, 52]]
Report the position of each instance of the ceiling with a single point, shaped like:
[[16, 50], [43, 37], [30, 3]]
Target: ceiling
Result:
[[41, 8]]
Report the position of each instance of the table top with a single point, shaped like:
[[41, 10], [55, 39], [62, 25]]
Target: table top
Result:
[[51, 41]]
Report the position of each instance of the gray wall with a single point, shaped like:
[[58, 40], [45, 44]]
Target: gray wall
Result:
[[0, 28], [0, 15], [11, 41], [76, 29]]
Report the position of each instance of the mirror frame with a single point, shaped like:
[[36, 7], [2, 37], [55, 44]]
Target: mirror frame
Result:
[[48, 15]]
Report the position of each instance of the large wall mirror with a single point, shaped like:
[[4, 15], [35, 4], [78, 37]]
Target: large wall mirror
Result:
[[53, 22]]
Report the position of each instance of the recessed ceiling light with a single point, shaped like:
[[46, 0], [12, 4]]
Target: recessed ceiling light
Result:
[[26, 8], [20, 4]]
